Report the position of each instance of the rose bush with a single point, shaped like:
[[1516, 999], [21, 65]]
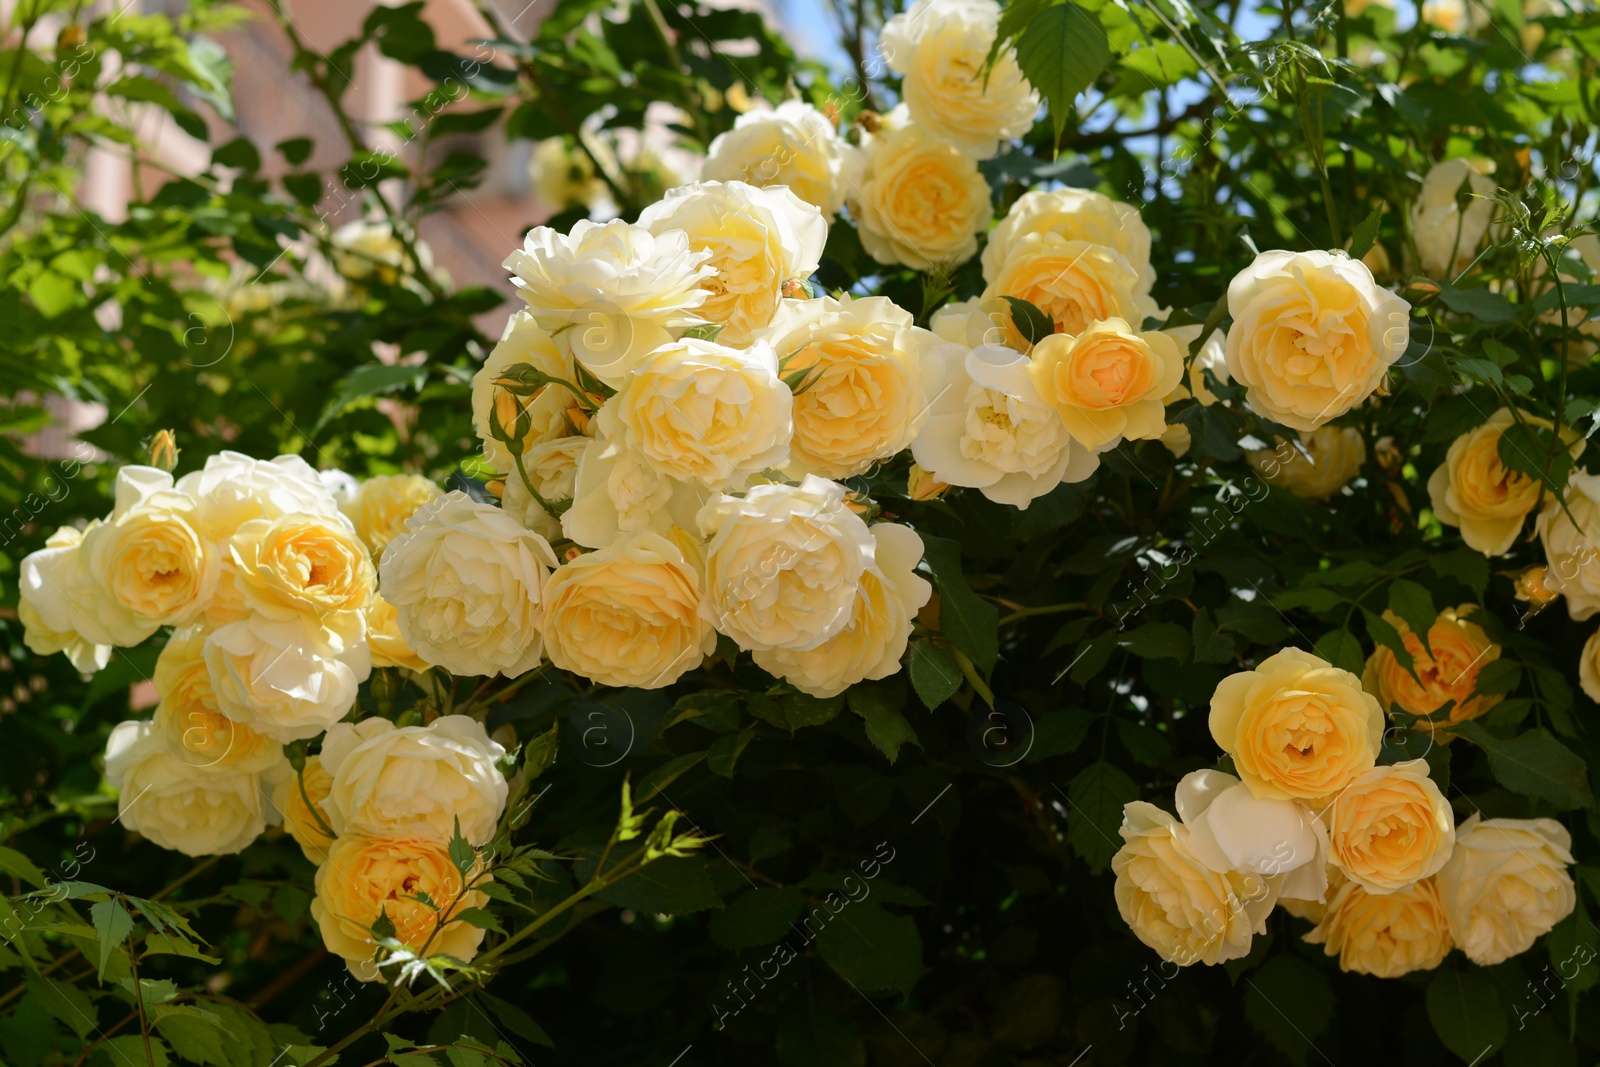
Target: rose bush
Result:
[[1047, 548]]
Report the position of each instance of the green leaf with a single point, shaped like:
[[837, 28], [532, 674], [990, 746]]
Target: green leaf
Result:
[[65, 1002], [1095, 801], [887, 728], [1342, 649], [369, 380], [1380, 630], [462, 854], [1211, 645], [725, 751], [1033, 324], [971, 623], [479, 917], [1414, 604], [514, 1019], [128, 1050], [665, 775], [195, 1034], [871, 948], [934, 673], [1366, 233], [296, 150], [1535, 764], [1466, 1010], [112, 925], [1291, 1004], [20, 867], [1485, 305], [1158, 640], [1062, 51], [759, 917]]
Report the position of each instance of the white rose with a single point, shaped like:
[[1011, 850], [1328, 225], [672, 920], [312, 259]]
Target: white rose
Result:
[[869, 378], [1506, 885], [414, 781], [921, 202], [757, 240], [793, 144], [783, 564], [233, 488], [552, 468], [616, 491], [629, 614], [1569, 553], [1448, 238], [990, 430], [199, 812], [1313, 335], [703, 412], [1231, 830], [941, 48], [872, 643], [467, 582], [612, 291], [288, 679], [55, 601], [1589, 667], [1077, 215], [550, 410], [153, 565]]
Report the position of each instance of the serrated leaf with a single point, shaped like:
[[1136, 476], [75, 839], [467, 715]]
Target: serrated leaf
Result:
[[1414, 604], [971, 623], [1034, 325], [759, 917], [1062, 51], [1382, 632], [1095, 800], [372, 379], [1534, 763], [934, 673], [1467, 1012], [871, 948], [112, 925]]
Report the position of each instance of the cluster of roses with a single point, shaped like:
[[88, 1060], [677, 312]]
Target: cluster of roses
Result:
[[1370, 853], [263, 572]]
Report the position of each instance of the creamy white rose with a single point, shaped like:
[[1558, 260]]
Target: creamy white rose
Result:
[[792, 144], [233, 488], [1571, 557], [783, 564], [873, 641], [414, 781], [1231, 830], [466, 580], [941, 50], [613, 291], [757, 239], [1077, 215], [1506, 885], [149, 557], [195, 811], [288, 679], [1448, 237], [921, 201], [55, 603]]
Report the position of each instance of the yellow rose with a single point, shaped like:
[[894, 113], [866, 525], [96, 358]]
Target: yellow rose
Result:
[[149, 558], [612, 291], [1506, 885], [191, 722], [188, 809], [628, 615], [384, 640], [1589, 667], [1474, 490], [1174, 903], [941, 50], [1573, 568], [617, 491], [1460, 650], [757, 240], [234, 488], [869, 378], [414, 781], [921, 202], [1386, 935], [301, 565], [383, 504], [792, 144], [1391, 828], [563, 177], [1533, 587], [298, 819], [1313, 335], [1077, 215], [54, 598], [365, 877], [1447, 237], [1297, 727], [783, 564], [289, 679], [1333, 456], [873, 641], [1107, 382], [1076, 283], [702, 412], [467, 581]]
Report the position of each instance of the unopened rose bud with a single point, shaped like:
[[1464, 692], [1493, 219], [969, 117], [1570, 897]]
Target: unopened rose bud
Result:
[[510, 423], [571, 554], [1388, 456], [797, 289], [495, 487], [1421, 290], [70, 37], [164, 451], [861, 504], [1531, 586], [923, 486], [579, 420], [870, 121]]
